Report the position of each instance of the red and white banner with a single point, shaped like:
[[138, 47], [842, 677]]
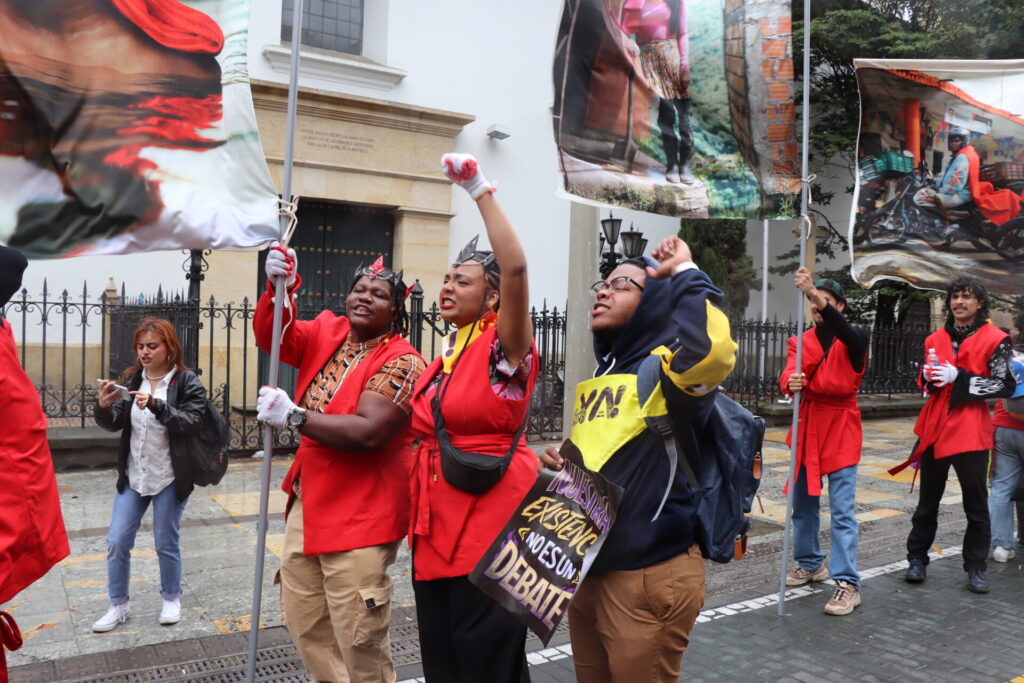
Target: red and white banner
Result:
[[128, 125]]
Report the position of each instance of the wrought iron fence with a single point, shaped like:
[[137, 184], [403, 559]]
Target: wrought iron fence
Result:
[[66, 342], [894, 356]]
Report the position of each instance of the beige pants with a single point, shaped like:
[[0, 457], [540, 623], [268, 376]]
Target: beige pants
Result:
[[634, 625], [337, 607]]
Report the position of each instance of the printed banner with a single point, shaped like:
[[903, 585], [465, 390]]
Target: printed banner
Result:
[[539, 559], [940, 167], [678, 107], [128, 125]]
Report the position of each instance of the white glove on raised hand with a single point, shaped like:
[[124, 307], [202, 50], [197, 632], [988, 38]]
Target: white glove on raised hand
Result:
[[272, 406], [464, 171], [941, 375], [281, 263]]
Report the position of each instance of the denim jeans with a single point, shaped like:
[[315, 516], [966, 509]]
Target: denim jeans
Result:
[[124, 523], [842, 488], [1006, 473]]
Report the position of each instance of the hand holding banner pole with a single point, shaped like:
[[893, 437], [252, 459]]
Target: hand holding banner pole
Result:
[[280, 292], [805, 193]]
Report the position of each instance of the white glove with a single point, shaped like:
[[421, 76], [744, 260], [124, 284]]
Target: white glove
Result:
[[941, 375], [280, 263], [464, 171], [272, 406]]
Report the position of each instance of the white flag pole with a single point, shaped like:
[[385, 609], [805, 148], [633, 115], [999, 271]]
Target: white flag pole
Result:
[[280, 291], [805, 234]]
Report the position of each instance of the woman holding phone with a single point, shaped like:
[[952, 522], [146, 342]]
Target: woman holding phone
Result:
[[470, 406], [163, 410]]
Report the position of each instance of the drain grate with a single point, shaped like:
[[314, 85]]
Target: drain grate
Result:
[[272, 664]]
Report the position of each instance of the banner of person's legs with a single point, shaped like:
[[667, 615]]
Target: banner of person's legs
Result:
[[128, 125], [678, 107], [940, 167]]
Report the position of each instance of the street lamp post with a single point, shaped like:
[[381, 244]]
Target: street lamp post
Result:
[[633, 243]]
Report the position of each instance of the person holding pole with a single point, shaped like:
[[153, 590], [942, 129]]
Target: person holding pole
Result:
[[966, 362], [631, 618], [348, 506], [472, 464], [830, 440]]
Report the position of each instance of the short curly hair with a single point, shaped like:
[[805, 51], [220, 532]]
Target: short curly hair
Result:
[[974, 286]]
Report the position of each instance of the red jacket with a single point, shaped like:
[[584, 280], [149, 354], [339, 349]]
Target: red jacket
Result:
[[350, 500], [966, 426], [830, 428], [32, 535], [451, 529]]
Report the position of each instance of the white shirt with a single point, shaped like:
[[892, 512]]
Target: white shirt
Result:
[[149, 465]]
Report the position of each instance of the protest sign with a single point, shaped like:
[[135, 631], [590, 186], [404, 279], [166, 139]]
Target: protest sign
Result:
[[537, 562]]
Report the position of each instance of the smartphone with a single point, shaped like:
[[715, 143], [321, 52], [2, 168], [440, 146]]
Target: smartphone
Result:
[[122, 391]]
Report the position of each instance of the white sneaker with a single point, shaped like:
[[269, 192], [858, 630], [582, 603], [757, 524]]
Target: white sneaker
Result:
[[1002, 554], [117, 614], [170, 613]]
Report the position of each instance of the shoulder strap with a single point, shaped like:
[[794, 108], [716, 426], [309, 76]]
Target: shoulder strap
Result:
[[648, 377]]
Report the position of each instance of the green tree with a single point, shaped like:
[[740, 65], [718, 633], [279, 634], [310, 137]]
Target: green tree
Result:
[[842, 30], [719, 246]]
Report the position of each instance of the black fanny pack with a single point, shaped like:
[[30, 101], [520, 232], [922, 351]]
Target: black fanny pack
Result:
[[470, 472]]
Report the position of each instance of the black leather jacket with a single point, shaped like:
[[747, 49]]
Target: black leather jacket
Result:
[[181, 414]]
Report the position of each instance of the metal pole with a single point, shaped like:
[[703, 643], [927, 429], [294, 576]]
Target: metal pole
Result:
[[805, 191], [764, 296], [280, 291]]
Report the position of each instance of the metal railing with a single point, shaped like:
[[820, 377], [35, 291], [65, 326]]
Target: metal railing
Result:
[[894, 356], [66, 342]]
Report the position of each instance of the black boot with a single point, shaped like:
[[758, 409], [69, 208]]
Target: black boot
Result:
[[977, 582], [916, 572]]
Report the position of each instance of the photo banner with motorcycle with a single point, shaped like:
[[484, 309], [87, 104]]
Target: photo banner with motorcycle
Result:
[[940, 169]]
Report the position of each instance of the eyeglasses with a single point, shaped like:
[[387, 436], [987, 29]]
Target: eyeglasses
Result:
[[616, 284]]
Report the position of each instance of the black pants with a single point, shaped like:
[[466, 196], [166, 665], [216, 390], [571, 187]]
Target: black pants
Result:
[[972, 471], [678, 147], [465, 637]]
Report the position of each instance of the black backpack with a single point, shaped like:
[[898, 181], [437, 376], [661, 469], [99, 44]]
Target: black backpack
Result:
[[207, 449], [728, 454]]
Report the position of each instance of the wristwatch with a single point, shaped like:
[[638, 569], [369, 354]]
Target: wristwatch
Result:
[[296, 417]]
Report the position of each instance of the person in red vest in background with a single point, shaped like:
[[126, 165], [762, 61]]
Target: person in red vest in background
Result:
[[32, 534], [832, 365], [348, 502], [1007, 466], [966, 362]]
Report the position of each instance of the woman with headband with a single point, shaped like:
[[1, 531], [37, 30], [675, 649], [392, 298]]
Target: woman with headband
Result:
[[472, 465]]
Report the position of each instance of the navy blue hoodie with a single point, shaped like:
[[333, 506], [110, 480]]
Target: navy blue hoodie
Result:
[[682, 313]]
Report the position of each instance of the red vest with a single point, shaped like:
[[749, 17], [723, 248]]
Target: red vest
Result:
[[32, 535], [350, 500], [830, 429], [1005, 419], [966, 426], [451, 529]]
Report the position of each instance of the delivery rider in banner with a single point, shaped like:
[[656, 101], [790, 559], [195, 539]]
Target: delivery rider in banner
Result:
[[634, 611]]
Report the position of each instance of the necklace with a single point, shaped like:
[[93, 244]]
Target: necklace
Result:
[[154, 379]]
